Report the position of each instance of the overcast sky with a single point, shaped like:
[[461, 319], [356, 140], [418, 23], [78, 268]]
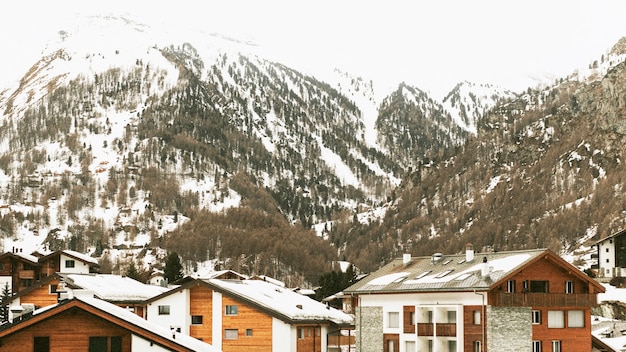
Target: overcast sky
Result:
[[430, 44]]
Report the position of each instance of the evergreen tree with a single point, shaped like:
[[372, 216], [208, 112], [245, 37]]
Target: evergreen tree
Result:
[[133, 272], [4, 309], [173, 267]]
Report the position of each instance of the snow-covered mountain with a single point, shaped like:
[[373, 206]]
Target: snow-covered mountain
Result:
[[127, 135]]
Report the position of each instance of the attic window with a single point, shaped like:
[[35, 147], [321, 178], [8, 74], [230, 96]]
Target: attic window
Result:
[[443, 274], [463, 276], [399, 280], [422, 275]]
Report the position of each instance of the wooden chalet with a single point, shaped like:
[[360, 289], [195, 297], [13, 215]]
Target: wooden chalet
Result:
[[67, 261], [250, 315], [499, 301], [89, 324], [18, 270]]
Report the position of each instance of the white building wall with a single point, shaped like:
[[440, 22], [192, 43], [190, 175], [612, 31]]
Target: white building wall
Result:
[[179, 312], [79, 266], [606, 257], [139, 344], [6, 280], [217, 320], [283, 336], [438, 303]]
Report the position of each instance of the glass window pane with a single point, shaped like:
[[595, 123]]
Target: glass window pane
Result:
[[576, 319], [394, 319], [556, 319]]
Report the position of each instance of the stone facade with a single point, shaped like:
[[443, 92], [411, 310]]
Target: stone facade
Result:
[[509, 329], [369, 329]]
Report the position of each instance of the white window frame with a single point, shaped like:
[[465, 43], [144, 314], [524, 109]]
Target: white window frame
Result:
[[536, 317], [70, 263], [510, 286], [231, 334], [477, 317], [477, 347], [393, 320], [569, 287], [556, 319], [556, 346], [575, 318], [536, 346]]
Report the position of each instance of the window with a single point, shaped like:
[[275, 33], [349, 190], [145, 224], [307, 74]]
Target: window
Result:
[[452, 345], [536, 346], [422, 275], [231, 310], [164, 310], [539, 286], [1, 266], [607, 250], [249, 332], [116, 344], [556, 346], [300, 333], [393, 320], [70, 264], [41, 344], [196, 319], [569, 287], [231, 334], [443, 274], [477, 346], [53, 289], [476, 317], [413, 318], [452, 317], [575, 319], [409, 346], [510, 286], [536, 317], [556, 319], [98, 344]]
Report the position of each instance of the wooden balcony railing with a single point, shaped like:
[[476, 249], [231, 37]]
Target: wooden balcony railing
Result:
[[442, 329], [530, 299], [26, 274]]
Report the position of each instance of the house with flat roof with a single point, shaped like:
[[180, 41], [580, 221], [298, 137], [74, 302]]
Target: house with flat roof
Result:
[[530, 300]]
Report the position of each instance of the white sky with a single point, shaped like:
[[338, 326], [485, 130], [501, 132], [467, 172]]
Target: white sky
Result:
[[430, 44]]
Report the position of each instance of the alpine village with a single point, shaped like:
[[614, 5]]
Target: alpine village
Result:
[[183, 193]]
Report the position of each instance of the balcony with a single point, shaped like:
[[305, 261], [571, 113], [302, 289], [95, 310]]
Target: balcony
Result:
[[545, 300], [443, 329], [26, 274]]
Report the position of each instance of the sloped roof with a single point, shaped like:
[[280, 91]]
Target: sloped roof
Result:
[[22, 256], [452, 272], [276, 301], [72, 254], [280, 302], [617, 234], [118, 316], [113, 288]]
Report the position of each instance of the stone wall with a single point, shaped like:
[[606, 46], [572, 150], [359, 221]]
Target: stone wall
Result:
[[369, 329], [509, 329]]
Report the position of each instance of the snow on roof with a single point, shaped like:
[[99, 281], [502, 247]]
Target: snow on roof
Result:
[[283, 301], [28, 257], [81, 256], [124, 314], [451, 272], [610, 332], [114, 288]]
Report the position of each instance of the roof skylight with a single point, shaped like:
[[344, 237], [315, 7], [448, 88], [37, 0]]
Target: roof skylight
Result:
[[442, 274], [422, 274]]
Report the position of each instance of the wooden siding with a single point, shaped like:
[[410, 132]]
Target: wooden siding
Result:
[[582, 298], [391, 339], [246, 318], [310, 339], [471, 331], [41, 296], [201, 303], [408, 326], [68, 331]]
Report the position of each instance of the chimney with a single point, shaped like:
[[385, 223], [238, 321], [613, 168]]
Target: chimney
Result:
[[469, 252], [484, 268], [406, 259]]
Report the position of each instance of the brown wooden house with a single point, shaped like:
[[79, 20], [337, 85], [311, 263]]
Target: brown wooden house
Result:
[[89, 324], [18, 270]]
